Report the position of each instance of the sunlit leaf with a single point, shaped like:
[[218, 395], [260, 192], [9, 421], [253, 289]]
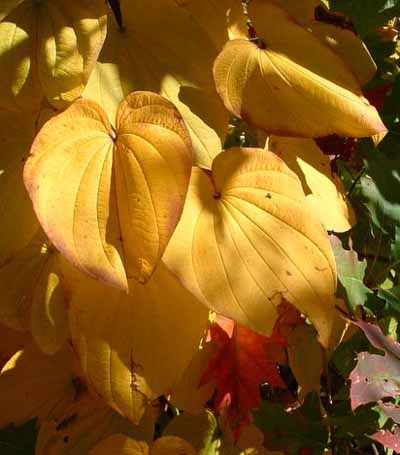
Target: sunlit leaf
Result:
[[249, 241], [187, 36], [125, 189], [125, 341], [324, 190], [291, 84], [53, 48]]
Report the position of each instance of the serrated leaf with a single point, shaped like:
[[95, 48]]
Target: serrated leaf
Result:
[[234, 245], [375, 376], [324, 190], [124, 341], [126, 188], [389, 439], [351, 273], [292, 84]]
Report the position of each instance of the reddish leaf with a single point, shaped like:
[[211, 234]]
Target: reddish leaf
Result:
[[375, 376], [243, 361], [378, 339], [377, 95], [391, 440]]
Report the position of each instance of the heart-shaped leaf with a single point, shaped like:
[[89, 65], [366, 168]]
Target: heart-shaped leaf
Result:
[[109, 201], [249, 240]]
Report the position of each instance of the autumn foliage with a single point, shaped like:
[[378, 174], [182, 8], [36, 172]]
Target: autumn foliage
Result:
[[199, 245]]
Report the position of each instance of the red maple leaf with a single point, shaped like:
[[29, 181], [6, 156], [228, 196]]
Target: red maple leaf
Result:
[[244, 360]]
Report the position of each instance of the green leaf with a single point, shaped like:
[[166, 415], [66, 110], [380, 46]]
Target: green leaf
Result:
[[367, 14], [293, 431], [351, 274], [391, 297]]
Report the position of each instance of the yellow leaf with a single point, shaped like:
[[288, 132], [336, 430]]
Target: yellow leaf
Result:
[[119, 444], [18, 279], [186, 394], [179, 69], [249, 242], [76, 427], [325, 192], [49, 320], [172, 445], [125, 189], [18, 220], [125, 341], [305, 359], [200, 430], [53, 48], [295, 86], [32, 383]]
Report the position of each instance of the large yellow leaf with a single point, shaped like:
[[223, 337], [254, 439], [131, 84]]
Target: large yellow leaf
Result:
[[291, 84], [344, 42], [135, 347], [125, 190], [48, 48], [325, 192], [18, 220], [168, 46], [250, 241], [75, 427], [32, 383]]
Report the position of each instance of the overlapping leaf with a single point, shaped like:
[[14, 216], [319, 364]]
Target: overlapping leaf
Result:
[[324, 190], [125, 189], [168, 46], [48, 48], [36, 382], [125, 341], [122, 445], [249, 241], [291, 84], [76, 426], [18, 220]]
